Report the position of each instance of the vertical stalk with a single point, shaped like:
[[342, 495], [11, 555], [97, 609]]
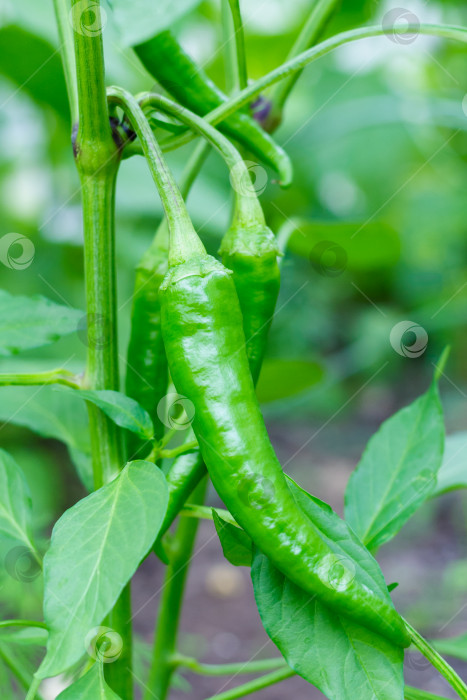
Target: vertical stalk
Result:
[[318, 18], [97, 158], [65, 34], [170, 605]]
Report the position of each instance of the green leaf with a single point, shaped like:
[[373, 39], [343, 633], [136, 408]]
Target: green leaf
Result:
[[341, 658], [236, 544], [140, 20], [51, 414], [280, 378], [34, 65], [15, 510], [96, 547], [376, 246], [27, 636], [91, 686], [455, 647], [398, 470], [453, 471], [29, 322], [125, 412]]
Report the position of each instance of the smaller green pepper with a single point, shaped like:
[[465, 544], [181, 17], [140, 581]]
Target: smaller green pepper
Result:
[[168, 63]]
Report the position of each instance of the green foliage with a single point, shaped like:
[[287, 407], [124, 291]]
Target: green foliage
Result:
[[51, 414], [236, 544], [33, 65], [281, 378], [398, 470], [124, 411], [91, 686], [339, 657], [29, 323], [453, 646], [141, 20], [96, 547], [15, 511], [453, 471]]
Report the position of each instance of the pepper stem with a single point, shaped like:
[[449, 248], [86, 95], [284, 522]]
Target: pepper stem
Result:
[[248, 213], [184, 241]]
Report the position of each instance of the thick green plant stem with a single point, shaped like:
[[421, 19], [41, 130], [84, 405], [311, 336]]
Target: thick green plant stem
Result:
[[165, 637], [65, 34], [97, 158], [438, 662], [54, 376], [298, 63], [237, 669], [318, 18], [255, 686]]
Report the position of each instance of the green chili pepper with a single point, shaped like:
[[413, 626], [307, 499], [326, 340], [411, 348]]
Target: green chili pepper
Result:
[[204, 341], [250, 251], [147, 371], [165, 60], [252, 257], [205, 346]]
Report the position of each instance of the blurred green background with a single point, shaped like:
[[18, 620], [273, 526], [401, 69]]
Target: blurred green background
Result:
[[374, 230]]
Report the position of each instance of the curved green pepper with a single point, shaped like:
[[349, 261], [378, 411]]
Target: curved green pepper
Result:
[[167, 62], [252, 257], [147, 370], [204, 341]]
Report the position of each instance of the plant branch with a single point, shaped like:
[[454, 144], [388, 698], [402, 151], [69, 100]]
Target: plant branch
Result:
[[97, 158], [298, 63], [183, 237], [190, 510], [65, 34], [247, 211], [244, 667], [23, 623], [438, 662], [416, 694], [54, 376], [170, 606], [241, 71], [180, 450], [255, 685], [314, 26]]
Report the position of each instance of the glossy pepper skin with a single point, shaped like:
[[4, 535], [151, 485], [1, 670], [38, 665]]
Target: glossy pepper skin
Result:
[[204, 341], [252, 258], [165, 60], [182, 477], [147, 370]]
